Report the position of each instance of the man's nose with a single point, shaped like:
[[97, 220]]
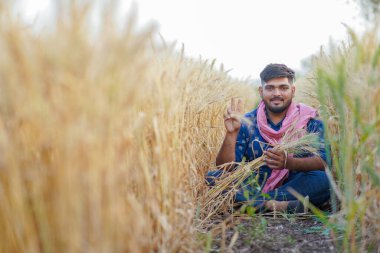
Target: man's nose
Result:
[[277, 92]]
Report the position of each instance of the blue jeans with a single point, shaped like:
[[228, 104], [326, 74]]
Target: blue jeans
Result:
[[314, 184]]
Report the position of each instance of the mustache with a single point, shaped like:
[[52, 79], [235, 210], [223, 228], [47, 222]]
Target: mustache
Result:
[[276, 99]]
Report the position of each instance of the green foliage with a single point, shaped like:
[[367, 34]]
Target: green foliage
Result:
[[207, 238], [318, 230], [369, 8], [290, 239], [348, 86], [256, 230]]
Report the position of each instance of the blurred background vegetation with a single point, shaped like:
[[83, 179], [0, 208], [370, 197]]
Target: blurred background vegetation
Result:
[[105, 136]]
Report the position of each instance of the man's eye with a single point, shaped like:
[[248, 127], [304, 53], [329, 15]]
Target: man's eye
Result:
[[284, 88], [269, 88]]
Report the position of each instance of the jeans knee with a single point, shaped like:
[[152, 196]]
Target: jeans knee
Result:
[[320, 176], [324, 184]]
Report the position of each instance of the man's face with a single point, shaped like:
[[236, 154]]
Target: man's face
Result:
[[277, 94]]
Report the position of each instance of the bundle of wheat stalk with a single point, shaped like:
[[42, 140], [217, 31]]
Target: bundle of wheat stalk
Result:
[[220, 197]]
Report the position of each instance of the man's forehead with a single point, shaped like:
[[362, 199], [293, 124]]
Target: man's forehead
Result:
[[278, 81]]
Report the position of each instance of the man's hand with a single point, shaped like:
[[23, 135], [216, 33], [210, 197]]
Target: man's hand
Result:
[[275, 159], [232, 116]]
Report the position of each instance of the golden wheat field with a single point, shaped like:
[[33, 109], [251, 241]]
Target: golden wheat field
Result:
[[104, 139], [106, 135]]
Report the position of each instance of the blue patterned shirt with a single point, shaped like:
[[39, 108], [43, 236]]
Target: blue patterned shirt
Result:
[[250, 144]]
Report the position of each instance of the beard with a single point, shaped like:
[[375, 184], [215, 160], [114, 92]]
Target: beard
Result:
[[277, 109]]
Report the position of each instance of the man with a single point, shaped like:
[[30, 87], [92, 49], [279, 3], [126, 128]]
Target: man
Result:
[[275, 114]]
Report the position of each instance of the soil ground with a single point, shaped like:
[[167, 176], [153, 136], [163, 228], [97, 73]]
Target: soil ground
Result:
[[283, 233]]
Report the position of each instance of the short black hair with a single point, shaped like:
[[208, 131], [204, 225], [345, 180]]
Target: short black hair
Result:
[[276, 70]]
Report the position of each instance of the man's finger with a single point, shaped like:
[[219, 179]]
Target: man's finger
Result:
[[274, 165], [233, 104], [274, 153], [272, 161], [235, 117]]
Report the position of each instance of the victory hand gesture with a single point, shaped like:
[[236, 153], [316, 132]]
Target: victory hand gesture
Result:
[[232, 116]]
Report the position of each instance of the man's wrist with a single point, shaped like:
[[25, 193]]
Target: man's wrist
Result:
[[290, 162], [232, 134]]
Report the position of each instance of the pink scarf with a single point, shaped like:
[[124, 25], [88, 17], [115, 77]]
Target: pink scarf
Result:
[[299, 113]]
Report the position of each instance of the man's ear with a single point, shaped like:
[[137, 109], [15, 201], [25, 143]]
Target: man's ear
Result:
[[293, 90], [261, 91]]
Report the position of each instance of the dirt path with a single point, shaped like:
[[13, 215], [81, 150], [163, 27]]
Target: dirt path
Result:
[[280, 234]]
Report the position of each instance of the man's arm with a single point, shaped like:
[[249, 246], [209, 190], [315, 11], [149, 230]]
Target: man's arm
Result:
[[315, 162], [227, 151], [232, 123], [305, 163], [276, 160]]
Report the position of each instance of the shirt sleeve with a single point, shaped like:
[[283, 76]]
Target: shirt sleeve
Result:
[[316, 126], [241, 143]]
